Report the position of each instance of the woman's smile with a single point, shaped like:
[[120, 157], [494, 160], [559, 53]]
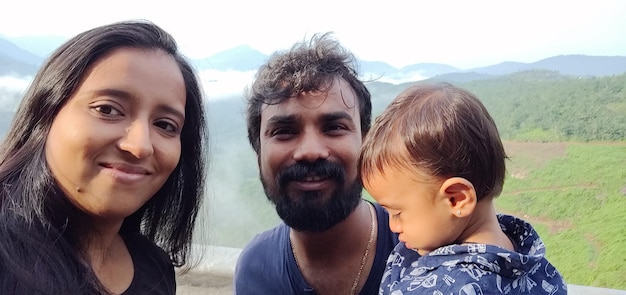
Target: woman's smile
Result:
[[126, 173]]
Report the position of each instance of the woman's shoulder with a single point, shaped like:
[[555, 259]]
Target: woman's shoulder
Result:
[[139, 245], [154, 271]]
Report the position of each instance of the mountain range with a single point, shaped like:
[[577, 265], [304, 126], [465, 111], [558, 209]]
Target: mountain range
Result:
[[22, 57]]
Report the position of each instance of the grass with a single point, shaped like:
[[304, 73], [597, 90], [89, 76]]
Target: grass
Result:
[[574, 194]]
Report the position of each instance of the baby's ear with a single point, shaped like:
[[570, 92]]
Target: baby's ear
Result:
[[459, 195]]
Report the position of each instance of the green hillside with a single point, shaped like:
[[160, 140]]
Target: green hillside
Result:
[[574, 194], [543, 106]]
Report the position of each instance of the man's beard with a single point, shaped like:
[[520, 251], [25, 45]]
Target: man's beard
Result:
[[308, 212]]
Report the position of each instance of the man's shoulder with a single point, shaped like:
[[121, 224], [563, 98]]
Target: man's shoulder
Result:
[[380, 211], [269, 237], [266, 245], [384, 233], [258, 268]]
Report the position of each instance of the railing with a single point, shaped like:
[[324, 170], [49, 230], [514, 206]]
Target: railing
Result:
[[216, 266]]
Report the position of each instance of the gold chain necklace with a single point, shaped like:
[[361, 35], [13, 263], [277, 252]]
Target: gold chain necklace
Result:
[[357, 279]]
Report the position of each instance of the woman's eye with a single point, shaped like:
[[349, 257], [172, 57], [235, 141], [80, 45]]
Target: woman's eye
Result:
[[167, 126], [107, 110]]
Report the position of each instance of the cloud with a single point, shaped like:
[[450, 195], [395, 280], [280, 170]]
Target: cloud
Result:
[[396, 78], [232, 84], [11, 91], [14, 84], [220, 85], [216, 85]]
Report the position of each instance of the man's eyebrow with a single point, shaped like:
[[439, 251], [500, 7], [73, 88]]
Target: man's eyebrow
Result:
[[282, 119], [291, 119], [334, 116]]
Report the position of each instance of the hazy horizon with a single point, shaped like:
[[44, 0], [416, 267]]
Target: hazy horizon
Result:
[[226, 84], [463, 34]]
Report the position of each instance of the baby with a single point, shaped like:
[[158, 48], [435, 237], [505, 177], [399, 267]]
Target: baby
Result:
[[435, 161]]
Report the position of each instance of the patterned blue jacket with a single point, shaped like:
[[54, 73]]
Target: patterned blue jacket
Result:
[[476, 268]]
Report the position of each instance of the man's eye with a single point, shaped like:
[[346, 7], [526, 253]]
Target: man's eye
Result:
[[335, 127], [282, 131]]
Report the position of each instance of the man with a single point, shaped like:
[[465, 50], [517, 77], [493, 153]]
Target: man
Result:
[[307, 115]]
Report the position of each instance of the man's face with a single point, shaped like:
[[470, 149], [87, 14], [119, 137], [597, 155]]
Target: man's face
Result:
[[308, 157]]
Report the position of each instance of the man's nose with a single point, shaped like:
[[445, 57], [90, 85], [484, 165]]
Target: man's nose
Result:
[[311, 147]]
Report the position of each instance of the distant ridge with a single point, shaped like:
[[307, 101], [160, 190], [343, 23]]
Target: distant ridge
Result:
[[241, 58], [40, 45], [19, 54], [15, 59], [584, 65], [12, 67], [575, 65], [430, 69], [244, 58]]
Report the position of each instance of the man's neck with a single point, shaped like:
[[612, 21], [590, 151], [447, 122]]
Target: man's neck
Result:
[[337, 240], [341, 257]]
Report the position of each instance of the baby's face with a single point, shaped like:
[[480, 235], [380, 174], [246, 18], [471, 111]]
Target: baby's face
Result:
[[418, 210]]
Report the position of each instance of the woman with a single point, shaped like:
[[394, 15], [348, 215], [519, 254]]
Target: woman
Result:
[[102, 169]]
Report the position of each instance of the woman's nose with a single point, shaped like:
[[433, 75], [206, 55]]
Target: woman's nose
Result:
[[137, 140]]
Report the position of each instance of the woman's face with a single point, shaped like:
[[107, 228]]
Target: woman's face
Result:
[[117, 139]]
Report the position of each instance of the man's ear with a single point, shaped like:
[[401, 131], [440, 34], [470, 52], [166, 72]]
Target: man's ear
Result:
[[459, 195]]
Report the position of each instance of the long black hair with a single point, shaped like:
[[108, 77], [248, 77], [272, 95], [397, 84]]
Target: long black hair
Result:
[[41, 232]]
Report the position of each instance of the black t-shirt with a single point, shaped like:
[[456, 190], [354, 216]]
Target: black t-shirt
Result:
[[154, 272]]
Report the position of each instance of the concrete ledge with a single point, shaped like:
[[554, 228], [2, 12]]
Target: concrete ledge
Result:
[[585, 290], [216, 267], [212, 270]]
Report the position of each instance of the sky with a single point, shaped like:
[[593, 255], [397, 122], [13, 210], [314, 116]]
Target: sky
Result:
[[460, 33]]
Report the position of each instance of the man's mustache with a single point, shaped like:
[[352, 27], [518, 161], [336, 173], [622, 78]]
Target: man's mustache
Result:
[[320, 168]]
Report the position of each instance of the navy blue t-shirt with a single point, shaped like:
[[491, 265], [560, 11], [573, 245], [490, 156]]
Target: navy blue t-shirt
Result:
[[267, 266]]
